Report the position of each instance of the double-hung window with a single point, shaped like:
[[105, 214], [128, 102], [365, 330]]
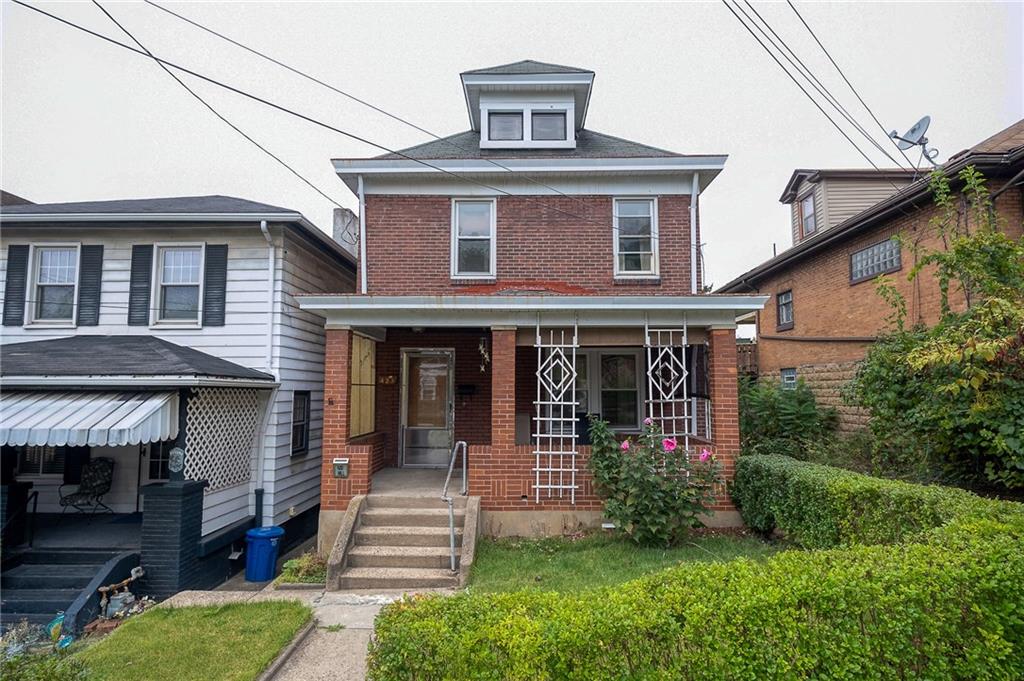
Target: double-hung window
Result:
[[784, 310], [179, 279], [300, 422], [636, 237], [808, 222], [54, 284], [473, 238]]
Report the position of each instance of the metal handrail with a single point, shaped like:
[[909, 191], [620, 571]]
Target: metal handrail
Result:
[[461, 444], [34, 498]]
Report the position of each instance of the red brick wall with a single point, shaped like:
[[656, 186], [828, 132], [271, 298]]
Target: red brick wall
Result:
[[408, 246], [825, 304]]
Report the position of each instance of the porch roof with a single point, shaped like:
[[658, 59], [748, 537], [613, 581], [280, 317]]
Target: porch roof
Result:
[[95, 419], [529, 310]]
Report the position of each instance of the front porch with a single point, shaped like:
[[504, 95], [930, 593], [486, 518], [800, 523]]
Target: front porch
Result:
[[398, 396]]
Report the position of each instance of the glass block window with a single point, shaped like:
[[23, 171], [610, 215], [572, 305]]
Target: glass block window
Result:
[[876, 259]]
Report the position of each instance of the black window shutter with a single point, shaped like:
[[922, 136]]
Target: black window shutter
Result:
[[139, 285], [75, 459], [90, 275], [17, 281], [215, 281]]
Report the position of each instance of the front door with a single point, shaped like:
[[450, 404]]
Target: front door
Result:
[[428, 409]]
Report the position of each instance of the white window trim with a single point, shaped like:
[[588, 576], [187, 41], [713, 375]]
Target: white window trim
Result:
[[31, 297], [154, 295], [528, 109], [453, 256], [592, 356], [654, 272]]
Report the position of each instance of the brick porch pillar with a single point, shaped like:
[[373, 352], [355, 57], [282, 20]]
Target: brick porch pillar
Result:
[[725, 425], [335, 493]]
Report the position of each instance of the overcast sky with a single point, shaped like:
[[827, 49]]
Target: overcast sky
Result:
[[83, 120]]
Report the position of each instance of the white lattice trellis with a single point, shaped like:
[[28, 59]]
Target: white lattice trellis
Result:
[[668, 402], [220, 431], [554, 425]]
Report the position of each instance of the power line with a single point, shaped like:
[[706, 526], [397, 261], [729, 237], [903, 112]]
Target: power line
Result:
[[354, 98], [216, 113], [809, 76], [304, 117], [796, 82], [847, 80]]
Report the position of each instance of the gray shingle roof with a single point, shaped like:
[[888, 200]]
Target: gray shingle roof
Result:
[[174, 204], [524, 67], [589, 144], [115, 356]]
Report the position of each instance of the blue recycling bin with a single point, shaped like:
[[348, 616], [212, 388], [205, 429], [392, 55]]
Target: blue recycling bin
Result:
[[261, 556]]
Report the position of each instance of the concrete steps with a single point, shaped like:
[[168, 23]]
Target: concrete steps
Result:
[[403, 542]]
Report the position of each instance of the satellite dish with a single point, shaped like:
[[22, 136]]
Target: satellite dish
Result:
[[915, 137]]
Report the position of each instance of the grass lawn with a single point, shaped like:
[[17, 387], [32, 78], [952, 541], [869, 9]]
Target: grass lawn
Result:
[[232, 642], [563, 564]]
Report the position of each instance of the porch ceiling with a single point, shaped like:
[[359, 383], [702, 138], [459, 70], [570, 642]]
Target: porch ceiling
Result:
[[489, 311]]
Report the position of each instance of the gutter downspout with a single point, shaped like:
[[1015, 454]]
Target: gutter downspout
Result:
[[694, 192], [264, 449], [362, 235]]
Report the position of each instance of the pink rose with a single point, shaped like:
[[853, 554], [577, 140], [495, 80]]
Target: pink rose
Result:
[[625, 445], [705, 454], [669, 444]]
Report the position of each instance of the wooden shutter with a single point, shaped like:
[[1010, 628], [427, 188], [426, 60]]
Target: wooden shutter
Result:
[[17, 281], [215, 280], [140, 285], [90, 275]]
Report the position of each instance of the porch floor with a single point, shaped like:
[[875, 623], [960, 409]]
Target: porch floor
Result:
[[83, 531], [414, 482]]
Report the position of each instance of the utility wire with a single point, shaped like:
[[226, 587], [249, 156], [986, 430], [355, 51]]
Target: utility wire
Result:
[[847, 80], [216, 113], [308, 119], [796, 82], [809, 76], [354, 98]]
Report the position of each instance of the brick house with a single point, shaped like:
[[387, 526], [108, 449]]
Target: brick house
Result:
[[514, 278], [824, 311]]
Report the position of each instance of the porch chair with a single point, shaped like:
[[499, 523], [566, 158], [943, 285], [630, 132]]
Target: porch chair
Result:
[[97, 477]]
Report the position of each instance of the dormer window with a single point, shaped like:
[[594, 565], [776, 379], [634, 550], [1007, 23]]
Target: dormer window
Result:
[[547, 125], [505, 125]]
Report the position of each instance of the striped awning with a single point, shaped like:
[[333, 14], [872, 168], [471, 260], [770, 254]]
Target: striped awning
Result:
[[96, 419]]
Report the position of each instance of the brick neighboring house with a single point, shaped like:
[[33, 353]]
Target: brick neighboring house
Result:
[[514, 278], [824, 311]]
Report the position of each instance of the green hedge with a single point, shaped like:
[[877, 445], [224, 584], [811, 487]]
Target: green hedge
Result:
[[822, 507], [947, 605]]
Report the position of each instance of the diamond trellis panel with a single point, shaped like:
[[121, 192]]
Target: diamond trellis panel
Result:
[[220, 431], [554, 425]]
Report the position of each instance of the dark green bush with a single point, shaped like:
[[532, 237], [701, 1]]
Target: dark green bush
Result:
[[781, 418], [949, 609], [946, 603], [822, 507]]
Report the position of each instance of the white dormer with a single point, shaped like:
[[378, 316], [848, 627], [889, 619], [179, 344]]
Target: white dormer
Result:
[[527, 105]]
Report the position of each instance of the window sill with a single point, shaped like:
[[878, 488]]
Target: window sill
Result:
[[784, 327]]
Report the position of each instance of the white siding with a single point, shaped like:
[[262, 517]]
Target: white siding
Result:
[[290, 486]]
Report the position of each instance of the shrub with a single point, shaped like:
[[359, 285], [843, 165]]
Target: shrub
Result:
[[822, 507], [653, 490], [927, 610], [780, 418]]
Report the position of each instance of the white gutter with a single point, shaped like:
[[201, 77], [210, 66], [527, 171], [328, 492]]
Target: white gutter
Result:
[[694, 193], [362, 236], [90, 382]]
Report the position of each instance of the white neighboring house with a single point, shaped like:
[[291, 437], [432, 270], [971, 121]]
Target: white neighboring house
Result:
[[214, 278]]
